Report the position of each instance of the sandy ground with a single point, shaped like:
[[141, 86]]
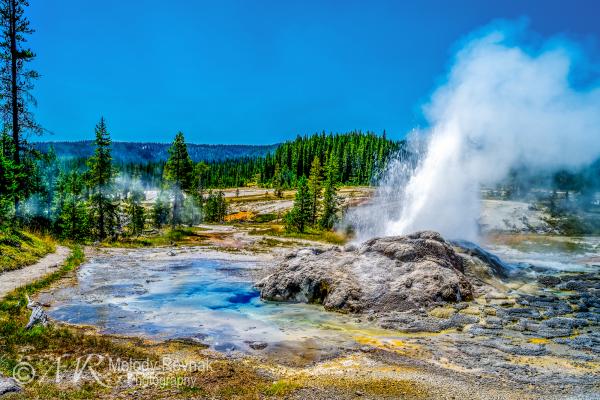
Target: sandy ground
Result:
[[11, 280], [254, 199]]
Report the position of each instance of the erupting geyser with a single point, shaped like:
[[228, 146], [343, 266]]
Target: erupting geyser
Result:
[[503, 105]]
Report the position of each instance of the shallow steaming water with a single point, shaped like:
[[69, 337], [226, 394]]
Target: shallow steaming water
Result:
[[549, 254], [214, 301]]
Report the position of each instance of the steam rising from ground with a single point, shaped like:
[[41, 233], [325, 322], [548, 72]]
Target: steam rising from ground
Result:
[[502, 106]]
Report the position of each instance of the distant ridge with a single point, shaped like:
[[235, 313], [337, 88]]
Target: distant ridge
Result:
[[154, 152]]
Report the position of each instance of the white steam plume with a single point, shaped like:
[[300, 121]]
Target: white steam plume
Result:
[[502, 106]]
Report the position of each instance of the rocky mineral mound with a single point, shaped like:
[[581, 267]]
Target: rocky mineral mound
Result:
[[397, 273]]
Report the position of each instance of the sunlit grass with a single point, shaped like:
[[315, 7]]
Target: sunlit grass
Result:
[[180, 236], [19, 249], [41, 343], [313, 234]]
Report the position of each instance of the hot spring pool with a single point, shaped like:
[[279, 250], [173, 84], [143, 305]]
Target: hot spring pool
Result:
[[210, 300]]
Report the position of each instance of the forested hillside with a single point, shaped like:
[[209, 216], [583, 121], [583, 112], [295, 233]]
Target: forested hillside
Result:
[[147, 152], [359, 157]]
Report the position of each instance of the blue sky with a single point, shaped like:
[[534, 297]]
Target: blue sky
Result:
[[259, 71]]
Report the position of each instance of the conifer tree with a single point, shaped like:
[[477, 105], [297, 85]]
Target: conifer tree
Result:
[[100, 179], [160, 211], [278, 181], [315, 187], [193, 207], [72, 218], [8, 181], [135, 209], [299, 216], [49, 173], [201, 170], [215, 208], [191, 214], [178, 174], [16, 86], [330, 197]]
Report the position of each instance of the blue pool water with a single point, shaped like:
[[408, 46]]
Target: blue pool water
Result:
[[213, 301]]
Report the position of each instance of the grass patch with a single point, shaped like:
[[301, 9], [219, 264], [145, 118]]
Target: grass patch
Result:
[[575, 224], [316, 235], [442, 312], [281, 388], [240, 216], [357, 386], [19, 249], [14, 313], [287, 195], [178, 236], [264, 218], [42, 346]]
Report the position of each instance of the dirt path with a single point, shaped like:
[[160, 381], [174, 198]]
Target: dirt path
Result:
[[13, 279]]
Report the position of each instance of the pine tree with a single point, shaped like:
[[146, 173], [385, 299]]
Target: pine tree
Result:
[[194, 206], [299, 216], [135, 209], [100, 179], [72, 218], [278, 181], [16, 86], [315, 187], [215, 208], [199, 178], [191, 214], [160, 211], [49, 173], [330, 198], [178, 174], [8, 181]]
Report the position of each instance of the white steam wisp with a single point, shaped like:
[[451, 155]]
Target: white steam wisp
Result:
[[501, 107]]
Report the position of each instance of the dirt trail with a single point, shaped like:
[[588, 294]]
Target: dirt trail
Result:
[[13, 279]]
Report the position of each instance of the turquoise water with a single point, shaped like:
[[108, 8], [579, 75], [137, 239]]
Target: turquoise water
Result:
[[212, 301]]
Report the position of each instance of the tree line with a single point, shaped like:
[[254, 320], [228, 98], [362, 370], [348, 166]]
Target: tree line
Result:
[[93, 200], [91, 203], [360, 158]]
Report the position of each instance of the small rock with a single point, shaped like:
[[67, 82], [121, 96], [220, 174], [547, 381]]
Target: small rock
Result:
[[257, 345], [578, 286], [562, 322], [350, 247], [9, 385], [549, 280]]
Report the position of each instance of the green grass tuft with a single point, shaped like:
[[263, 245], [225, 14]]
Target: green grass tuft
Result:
[[19, 249]]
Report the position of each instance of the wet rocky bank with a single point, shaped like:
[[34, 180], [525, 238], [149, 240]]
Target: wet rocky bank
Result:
[[458, 307]]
